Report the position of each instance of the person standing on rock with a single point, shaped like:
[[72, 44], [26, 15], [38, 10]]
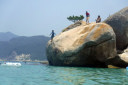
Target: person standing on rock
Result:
[[52, 35], [87, 17], [98, 20]]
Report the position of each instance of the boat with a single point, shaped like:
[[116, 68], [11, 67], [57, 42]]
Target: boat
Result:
[[10, 64]]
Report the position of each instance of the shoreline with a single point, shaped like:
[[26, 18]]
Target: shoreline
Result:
[[42, 62]]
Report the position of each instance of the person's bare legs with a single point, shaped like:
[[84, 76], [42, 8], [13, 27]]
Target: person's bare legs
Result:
[[87, 20]]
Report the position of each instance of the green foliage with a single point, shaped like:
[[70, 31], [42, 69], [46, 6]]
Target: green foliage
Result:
[[75, 18]]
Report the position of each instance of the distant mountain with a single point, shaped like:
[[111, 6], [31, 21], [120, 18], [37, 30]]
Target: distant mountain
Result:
[[6, 36], [33, 46]]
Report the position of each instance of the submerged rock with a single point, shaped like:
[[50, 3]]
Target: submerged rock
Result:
[[85, 45], [119, 23]]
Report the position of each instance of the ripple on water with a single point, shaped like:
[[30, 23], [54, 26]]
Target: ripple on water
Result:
[[51, 75]]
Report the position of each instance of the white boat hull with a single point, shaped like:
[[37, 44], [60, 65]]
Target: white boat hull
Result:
[[11, 64]]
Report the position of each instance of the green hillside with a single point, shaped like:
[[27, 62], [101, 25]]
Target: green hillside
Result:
[[35, 46]]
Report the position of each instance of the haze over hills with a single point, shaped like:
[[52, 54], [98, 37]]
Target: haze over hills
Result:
[[6, 36], [22, 48]]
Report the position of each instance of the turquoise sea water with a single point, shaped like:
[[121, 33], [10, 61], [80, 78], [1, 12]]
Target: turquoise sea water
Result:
[[31, 74]]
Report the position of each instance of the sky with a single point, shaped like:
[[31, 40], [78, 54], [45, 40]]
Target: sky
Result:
[[39, 17]]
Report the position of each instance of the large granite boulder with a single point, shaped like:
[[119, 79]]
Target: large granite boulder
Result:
[[119, 23], [85, 45], [120, 60], [76, 24]]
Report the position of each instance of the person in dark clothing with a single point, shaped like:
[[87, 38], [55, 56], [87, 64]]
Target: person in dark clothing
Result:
[[52, 35], [98, 20], [87, 17]]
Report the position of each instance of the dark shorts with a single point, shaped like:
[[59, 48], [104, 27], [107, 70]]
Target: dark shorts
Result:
[[87, 15]]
